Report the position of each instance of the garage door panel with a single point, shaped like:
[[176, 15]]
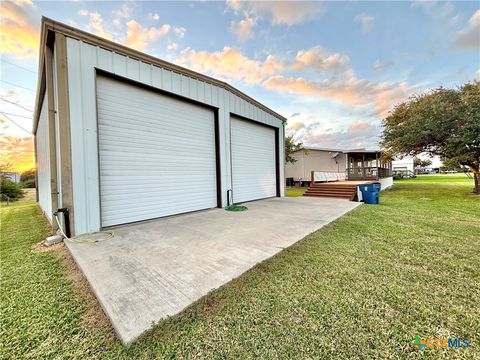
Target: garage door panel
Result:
[[253, 160], [157, 154]]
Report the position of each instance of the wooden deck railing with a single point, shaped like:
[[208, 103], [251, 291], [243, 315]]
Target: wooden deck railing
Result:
[[368, 173], [327, 176]]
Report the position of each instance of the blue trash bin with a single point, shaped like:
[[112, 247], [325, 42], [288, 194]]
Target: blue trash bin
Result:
[[370, 193]]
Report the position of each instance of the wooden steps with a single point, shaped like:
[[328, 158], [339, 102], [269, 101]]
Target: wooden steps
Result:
[[333, 190]]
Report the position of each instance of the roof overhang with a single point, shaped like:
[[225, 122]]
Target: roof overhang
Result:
[[47, 36]]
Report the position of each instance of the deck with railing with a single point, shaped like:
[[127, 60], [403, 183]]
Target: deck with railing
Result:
[[368, 173], [352, 174]]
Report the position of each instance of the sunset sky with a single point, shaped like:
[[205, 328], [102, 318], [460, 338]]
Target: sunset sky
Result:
[[334, 69]]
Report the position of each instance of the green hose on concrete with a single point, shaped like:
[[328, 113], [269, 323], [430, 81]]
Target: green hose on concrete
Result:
[[236, 208]]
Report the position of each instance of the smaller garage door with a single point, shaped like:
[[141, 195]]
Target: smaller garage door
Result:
[[253, 161]]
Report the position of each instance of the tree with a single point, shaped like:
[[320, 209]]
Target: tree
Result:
[[449, 165], [27, 178], [443, 122], [422, 163], [290, 147], [6, 167], [10, 191]]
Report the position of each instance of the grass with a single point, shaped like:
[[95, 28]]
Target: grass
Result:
[[295, 191], [362, 287]]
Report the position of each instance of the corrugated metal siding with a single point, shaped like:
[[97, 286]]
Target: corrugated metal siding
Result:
[[253, 161], [83, 58], [43, 162], [157, 154]]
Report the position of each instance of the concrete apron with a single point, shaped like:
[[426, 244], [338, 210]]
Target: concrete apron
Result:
[[155, 269]]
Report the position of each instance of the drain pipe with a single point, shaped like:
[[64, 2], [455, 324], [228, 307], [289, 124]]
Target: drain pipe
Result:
[[229, 197], [57, 238], [66, 221]]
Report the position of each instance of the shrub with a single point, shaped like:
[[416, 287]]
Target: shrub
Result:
[[10, 191], [28, 184], [27, 175]]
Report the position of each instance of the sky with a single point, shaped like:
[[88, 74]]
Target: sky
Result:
[[333, 69]]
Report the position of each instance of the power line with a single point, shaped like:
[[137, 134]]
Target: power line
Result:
[[19, 86], [20, 67], [22, 116], [14, 103], [20, 126]]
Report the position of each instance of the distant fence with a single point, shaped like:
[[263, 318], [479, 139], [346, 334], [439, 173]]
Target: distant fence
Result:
[[327, 176]]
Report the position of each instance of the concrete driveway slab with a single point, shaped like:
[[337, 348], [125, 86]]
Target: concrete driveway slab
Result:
[[151, 270]]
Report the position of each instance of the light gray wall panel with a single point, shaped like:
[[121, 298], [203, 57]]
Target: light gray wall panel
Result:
[[119, 63], [167, 80], [133, 69], [176, 83], [157, 77], [43, 162], [145, 73]]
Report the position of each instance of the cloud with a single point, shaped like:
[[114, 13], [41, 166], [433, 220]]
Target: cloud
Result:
[[120, 14], [243, 29], [350, 90], [153, 16], [19, 31], [366, 21], [139, 37], [172, 46], [295, 114], [296, 125], [469, 37], [229, 63], [279, 12], [123, 12], [95, 25], [359, 134], [359, 126], [477, 75], [434, 8], [380, 65], [343, 86], [316, 58], [14, 96], [179, 31], [17, 151]]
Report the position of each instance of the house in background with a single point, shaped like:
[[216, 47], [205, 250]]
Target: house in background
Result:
[[403, 167], [330, 161], [404, 164], [336, 172], [121, 136], [13, 176]]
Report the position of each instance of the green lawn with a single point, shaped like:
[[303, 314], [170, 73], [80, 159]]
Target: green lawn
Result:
[[362, 287], [295, 191]]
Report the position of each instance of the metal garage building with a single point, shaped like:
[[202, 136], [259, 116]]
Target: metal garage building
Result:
[[121, 136]]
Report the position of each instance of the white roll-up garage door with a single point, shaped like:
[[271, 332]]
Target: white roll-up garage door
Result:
[[157, 154], [253, 161]]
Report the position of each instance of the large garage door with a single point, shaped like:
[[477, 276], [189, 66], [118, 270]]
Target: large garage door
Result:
[[157, 154], [253, 161]]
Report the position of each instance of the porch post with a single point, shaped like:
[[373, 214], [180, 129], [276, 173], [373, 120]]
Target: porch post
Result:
[[347, 169], [363, 166], [376, 164]]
